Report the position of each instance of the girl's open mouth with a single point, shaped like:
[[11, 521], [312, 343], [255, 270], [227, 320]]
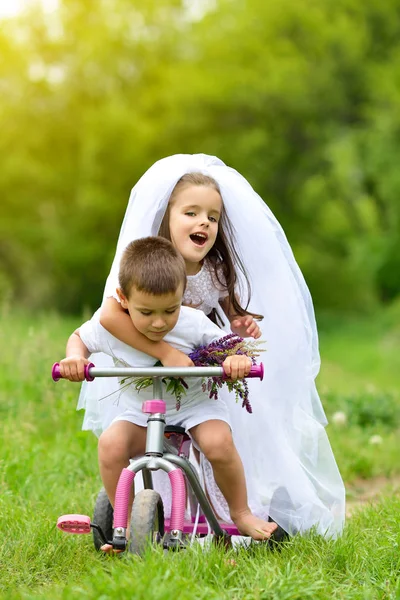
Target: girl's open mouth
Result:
[[199, 238]]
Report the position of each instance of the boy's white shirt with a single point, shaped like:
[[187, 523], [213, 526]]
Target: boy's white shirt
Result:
[[193, 329]]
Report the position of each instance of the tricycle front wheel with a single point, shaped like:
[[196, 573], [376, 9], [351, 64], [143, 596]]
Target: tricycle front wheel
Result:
[[103, 516], [147, 521]]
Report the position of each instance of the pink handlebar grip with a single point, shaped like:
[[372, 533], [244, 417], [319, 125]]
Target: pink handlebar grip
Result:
[[56, 375], [55, 372], [255, 371]]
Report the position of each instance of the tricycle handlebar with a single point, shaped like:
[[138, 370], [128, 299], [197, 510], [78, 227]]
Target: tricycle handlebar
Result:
[[91, 372]]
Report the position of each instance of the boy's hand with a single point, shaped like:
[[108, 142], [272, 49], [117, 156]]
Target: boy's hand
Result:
[[245, 327], [72, 368], [237, 367], [174, 358]]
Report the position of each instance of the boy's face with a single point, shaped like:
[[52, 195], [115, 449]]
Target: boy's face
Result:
[[153, 316]]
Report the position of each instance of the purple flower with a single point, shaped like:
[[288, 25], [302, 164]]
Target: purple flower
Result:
[[212, 355]]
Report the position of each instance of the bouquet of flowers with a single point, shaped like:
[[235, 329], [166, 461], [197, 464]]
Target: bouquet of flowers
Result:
[[212, 355]]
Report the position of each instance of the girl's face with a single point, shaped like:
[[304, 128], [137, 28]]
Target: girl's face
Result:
[[194, 214]]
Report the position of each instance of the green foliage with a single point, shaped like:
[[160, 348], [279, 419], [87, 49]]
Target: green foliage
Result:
[[359, 353], [302, 97], [367, 409], [375, 409]]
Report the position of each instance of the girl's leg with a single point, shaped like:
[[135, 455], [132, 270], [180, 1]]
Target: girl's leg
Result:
[[214, 438], [117, 444]]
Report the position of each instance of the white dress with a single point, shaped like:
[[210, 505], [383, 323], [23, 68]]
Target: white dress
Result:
[[203, 290], [301, 479]]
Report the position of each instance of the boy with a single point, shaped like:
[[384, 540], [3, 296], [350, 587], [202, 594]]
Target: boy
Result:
[[152, 281]]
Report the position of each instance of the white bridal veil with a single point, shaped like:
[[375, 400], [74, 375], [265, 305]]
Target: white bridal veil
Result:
[[290, 470]]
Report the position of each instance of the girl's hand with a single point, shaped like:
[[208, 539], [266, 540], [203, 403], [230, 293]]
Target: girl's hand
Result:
[[245, 327], [237, 367], [174, 358], [73, 368]]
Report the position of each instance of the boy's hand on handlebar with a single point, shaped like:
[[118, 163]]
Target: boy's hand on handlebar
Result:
[[245, 326], [73, 367], [237, 367], [176, 358]]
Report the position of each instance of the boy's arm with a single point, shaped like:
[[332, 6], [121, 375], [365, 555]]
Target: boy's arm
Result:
[[244, 326], [117, 322], [77, 354]]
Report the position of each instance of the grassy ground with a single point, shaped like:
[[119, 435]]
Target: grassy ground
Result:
[[360, 379], [360, 353], [49, 467]]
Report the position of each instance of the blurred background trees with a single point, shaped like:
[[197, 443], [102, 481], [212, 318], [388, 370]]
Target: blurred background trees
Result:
[[301, 96]]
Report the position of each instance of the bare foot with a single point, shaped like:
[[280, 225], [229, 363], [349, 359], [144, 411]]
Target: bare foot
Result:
[[254, 527], [108, 549]]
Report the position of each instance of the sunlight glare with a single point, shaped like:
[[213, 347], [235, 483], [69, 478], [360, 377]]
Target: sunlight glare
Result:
[[12, 8]]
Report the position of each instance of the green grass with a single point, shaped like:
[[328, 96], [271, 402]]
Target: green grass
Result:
[[49, 467], [360, 376], [364, 563], [360, 353]]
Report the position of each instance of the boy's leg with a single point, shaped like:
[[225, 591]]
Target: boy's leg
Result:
[[214, 439], [117, 444], [122, 441]]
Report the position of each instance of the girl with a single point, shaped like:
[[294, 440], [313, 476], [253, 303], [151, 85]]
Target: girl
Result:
[[198, 227], [231, 243]]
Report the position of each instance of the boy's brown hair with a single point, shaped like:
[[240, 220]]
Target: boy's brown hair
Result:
[[153, 266]]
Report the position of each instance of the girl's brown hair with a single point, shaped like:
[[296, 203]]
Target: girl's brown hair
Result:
[[222, 256]]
